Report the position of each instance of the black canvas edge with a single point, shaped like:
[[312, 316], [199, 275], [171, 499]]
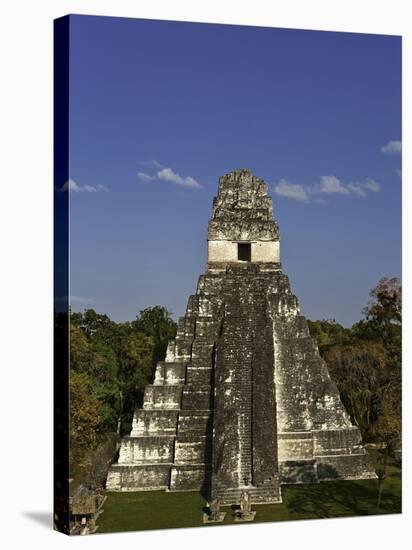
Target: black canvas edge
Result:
[[61, 29]]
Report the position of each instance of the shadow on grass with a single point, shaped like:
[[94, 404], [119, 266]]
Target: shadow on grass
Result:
[[328, 499], [331, 499]]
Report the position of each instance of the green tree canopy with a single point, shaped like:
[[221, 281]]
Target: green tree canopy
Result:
[[359, 371], [365, 362], [156, 322], [84, 409]]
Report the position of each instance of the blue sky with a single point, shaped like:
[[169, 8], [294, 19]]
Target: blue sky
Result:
[[159, 110]]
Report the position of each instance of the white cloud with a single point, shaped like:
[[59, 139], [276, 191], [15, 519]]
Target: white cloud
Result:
[[291, 190], [357, 189], [73, 187], [372, 185], [392, 148], [164, 173], [70, 185], [329, 184], [167, 174]]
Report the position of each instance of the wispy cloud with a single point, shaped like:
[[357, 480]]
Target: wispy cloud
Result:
[[295, 191], [372, 185], [145, 177], [357, 190], [73, 187], [165, 173], [150, 163], [326, 186], [392, 148]]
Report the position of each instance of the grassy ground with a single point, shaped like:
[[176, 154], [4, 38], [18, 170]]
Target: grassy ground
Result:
[[161, 510]]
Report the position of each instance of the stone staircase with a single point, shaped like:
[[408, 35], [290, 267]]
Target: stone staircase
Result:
[[238, 370], [245, 448], [268, 493]]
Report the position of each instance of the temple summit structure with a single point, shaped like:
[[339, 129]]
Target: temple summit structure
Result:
[[243, 400]]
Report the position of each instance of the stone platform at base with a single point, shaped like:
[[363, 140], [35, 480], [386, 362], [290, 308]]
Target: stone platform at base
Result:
[[246, 516], [208, 519]]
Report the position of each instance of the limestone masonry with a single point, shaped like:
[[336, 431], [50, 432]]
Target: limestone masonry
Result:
[[243, 401]]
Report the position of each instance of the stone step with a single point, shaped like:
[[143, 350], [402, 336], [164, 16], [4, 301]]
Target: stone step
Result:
[[259, 495]]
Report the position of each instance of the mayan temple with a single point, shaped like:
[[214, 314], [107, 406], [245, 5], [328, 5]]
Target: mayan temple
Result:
[[243, 400]]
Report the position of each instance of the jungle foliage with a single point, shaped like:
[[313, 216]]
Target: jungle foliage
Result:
[[110, 365], [365, 363]]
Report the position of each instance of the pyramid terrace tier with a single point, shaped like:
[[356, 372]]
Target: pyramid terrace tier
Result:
[[168, 422], [158, 397], [176, 397], [321, 455], [138, 477], [170, 374], [154, 422], [149, 449], [188, 448]]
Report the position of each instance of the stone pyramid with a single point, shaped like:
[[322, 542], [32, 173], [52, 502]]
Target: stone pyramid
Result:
[[243, 401]]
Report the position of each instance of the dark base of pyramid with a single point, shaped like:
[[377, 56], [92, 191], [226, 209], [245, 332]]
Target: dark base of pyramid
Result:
[[167, 476], [243, 402]]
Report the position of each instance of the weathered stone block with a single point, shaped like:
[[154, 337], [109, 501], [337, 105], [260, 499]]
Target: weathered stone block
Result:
[[138, 477], [162, 397], [154, 422], [202, 352], [295, 446], [332, 442], [189, 478], [196, 450], [196, 397], [200, 376], [353, 466], [146, 449], [170, 373], [193, 422]]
